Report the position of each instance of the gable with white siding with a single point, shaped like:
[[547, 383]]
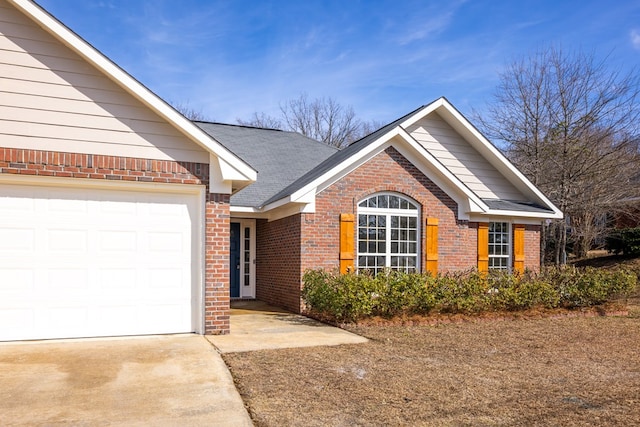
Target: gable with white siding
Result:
[[462, 159], [52, 98]]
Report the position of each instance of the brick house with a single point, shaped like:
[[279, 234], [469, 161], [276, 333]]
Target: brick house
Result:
[[426, 192], [118, 216]]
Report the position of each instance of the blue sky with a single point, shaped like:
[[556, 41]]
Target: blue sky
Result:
[[229, 58]]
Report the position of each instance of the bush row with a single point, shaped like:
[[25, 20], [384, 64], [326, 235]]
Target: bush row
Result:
[[350, 297]]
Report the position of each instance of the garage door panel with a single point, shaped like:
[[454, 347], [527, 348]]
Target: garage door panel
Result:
[[16, 281], [22, 239], [117, 241], [67, 240], [77, 263]]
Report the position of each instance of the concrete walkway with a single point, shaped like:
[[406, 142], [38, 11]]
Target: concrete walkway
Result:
[[169, 380], [258, 326]]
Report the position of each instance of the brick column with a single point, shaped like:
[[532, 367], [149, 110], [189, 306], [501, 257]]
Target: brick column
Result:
[[216, 276]]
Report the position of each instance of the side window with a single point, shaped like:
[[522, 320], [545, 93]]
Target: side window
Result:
[[499, 246], [388, 233]]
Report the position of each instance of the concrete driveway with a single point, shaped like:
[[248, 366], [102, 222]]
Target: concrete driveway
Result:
[[256, 325], [155, 380]]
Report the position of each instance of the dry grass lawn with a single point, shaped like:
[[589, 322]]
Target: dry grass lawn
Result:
[[568, 371], [553, 371]]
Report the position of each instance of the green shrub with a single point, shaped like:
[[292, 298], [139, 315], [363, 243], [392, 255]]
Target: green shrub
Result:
[[625, 241], [345, 297], [403, 293], [461, 292], [589, 286], [350, 297], [520, 292]]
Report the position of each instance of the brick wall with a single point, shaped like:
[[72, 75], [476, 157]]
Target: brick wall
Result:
[[92, 166], [216, 270], [388, 171], [278, 272], [532, 247]]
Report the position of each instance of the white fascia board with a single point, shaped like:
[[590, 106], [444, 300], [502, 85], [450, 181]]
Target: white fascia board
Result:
[[244, 209], [290, 209], [541, 215], [424, 112], [470, 202], [457, 121], [515, 220], [346, 166], [492, 154], [131, 85]]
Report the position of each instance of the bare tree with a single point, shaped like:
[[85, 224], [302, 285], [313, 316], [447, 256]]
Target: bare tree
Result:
[[571, 126], [189, 112], [262, 120], [323, 119]]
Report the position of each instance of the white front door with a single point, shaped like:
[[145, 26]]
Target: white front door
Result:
[[81, 262]]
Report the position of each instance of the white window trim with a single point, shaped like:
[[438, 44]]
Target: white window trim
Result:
[[509, 255], [388, 212]]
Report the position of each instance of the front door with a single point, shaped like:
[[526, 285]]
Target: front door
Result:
[[234, 261]]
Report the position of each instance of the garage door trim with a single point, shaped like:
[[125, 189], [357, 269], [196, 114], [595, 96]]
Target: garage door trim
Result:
[[197, 191]]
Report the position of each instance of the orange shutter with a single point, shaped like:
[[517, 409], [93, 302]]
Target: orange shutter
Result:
[[483, 246], [431, 247], [518, 248], [346, 242]]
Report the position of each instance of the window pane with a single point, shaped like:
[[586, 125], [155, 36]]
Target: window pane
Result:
[[375, 252], [394, 202], [499, 245]]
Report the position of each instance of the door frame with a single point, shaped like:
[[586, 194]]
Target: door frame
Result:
[[247, 290]]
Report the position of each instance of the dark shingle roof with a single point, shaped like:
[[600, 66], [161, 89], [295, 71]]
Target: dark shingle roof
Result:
[[509, 205], [337, 158], [280, 157]]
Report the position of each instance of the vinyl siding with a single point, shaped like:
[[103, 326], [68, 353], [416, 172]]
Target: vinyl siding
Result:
[[462, 159], [51, 98]]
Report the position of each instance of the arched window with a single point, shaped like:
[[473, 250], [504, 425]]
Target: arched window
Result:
[[388, 230]]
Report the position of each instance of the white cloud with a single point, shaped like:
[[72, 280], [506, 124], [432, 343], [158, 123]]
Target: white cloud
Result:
[[635, 38]]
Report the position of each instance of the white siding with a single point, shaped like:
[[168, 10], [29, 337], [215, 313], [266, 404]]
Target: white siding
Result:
[[446, 145], [52, 99]]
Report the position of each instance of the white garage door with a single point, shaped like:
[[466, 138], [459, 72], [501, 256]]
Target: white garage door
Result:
[[95, 262]]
